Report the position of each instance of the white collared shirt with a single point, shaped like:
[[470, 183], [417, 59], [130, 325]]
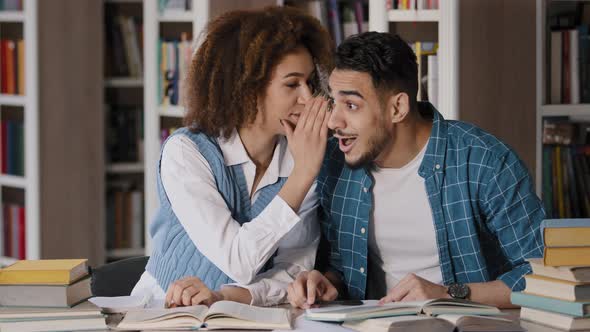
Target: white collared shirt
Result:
[[238, 251]]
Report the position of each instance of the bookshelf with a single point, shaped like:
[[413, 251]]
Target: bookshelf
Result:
[[432, 25], [123, 97], [56, 105], [550, 107], [23, 189]]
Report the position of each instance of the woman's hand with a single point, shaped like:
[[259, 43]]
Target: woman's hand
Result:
[[190, 291], [307, 140]]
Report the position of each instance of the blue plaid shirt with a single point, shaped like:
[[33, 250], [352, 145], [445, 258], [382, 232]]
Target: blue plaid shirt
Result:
[[486, 213]]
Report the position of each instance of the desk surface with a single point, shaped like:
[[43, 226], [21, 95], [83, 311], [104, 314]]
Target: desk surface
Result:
[[513, 314]]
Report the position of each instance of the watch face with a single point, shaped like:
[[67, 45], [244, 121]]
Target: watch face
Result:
[[459, 291]]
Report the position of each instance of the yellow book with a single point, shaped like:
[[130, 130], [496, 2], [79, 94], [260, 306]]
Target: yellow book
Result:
[[44, 272], [574, 256], [567, 237]]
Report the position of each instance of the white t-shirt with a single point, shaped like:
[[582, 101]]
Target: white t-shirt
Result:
[[401, 231]]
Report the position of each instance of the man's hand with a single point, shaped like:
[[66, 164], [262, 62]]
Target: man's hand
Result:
[[414, 288], [190, 291], [309, 286]]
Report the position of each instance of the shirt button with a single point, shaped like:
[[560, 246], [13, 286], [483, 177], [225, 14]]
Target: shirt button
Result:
[[365, 189], [362, 269], [363, 230], [437, 166]]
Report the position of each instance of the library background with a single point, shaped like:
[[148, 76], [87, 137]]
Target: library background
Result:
[[90, 89]]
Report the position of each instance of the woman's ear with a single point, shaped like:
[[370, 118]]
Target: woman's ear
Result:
[[398, 107]]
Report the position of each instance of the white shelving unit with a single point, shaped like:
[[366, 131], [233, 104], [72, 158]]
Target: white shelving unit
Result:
[[29, 103], [447, 18], [575, 111]]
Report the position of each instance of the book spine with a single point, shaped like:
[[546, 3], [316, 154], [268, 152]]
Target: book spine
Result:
[[548, 304]]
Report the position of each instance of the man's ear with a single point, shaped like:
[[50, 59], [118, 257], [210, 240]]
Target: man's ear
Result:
[[398, 107]]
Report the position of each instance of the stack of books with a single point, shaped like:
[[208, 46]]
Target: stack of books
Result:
[[557, 294], [47, 295]]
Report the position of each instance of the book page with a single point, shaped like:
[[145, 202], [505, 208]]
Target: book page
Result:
[[370, 309], [224, 309], [181, 317], [457, 306]]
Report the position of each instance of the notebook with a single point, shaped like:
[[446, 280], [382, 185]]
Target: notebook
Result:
[[221, 315], [370, 309]]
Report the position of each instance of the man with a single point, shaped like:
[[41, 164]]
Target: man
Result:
[[414, 206]]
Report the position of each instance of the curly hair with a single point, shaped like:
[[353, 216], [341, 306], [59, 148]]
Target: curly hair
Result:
[[386, 57], [233, 65]]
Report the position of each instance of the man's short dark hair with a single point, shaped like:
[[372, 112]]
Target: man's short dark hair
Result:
[[386, 57]]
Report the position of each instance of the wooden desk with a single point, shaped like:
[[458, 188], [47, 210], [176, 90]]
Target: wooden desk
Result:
[[513, 314]]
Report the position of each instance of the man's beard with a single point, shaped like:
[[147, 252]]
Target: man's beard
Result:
[[376, 145]]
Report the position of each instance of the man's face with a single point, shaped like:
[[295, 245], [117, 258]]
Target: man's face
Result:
[[358, 118]]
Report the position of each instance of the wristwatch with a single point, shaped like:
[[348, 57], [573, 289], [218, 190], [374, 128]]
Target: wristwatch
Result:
[[459, 291]]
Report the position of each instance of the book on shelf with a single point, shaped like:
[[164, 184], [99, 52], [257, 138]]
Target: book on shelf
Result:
[[174, 5], [124, 216], [11, 5], [556, 288], [569, 57], [124, 45], [13, 231], [174, 58], [571, 308], [560, 321], [12, 133], [12, 66], [567, 273], [371, 309], [46, 295], [48, 271], [412, 4], [440, 323], [221, 315]]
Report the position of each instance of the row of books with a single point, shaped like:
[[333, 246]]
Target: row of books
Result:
[[125, 218], [124, 46], [569, 54], [427, 58], [412, 4], [124, 134], [12, 66], [174, 57], [11, 4], [557, 294], [48, 295], [342, 19], [566, 181], [12, 232], [12, 138]]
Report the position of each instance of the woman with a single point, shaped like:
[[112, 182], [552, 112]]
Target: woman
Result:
[[232, 193]]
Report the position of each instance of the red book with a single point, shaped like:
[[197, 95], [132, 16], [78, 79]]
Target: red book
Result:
[[10, 72], [22, 253], [566, 91]]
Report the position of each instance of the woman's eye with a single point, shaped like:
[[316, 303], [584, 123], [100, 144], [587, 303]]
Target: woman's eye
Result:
[[293, 85]]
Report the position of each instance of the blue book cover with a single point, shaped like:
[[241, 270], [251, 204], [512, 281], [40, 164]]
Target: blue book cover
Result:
[[577, 309]]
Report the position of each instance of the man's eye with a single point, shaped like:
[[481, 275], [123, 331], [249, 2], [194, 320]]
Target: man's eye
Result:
[[351, 106]]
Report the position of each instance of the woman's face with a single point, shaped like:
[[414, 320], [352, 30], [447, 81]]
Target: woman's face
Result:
[[288, 90]]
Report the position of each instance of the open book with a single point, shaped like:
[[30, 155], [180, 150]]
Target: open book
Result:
[[370, 309], [441, 323], [221, 315]]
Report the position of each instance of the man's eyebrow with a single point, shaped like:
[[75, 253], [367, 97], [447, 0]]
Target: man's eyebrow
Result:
[[351, 93]]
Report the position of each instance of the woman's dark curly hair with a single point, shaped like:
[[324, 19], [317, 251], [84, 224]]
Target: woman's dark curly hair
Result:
[[233, 65]]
